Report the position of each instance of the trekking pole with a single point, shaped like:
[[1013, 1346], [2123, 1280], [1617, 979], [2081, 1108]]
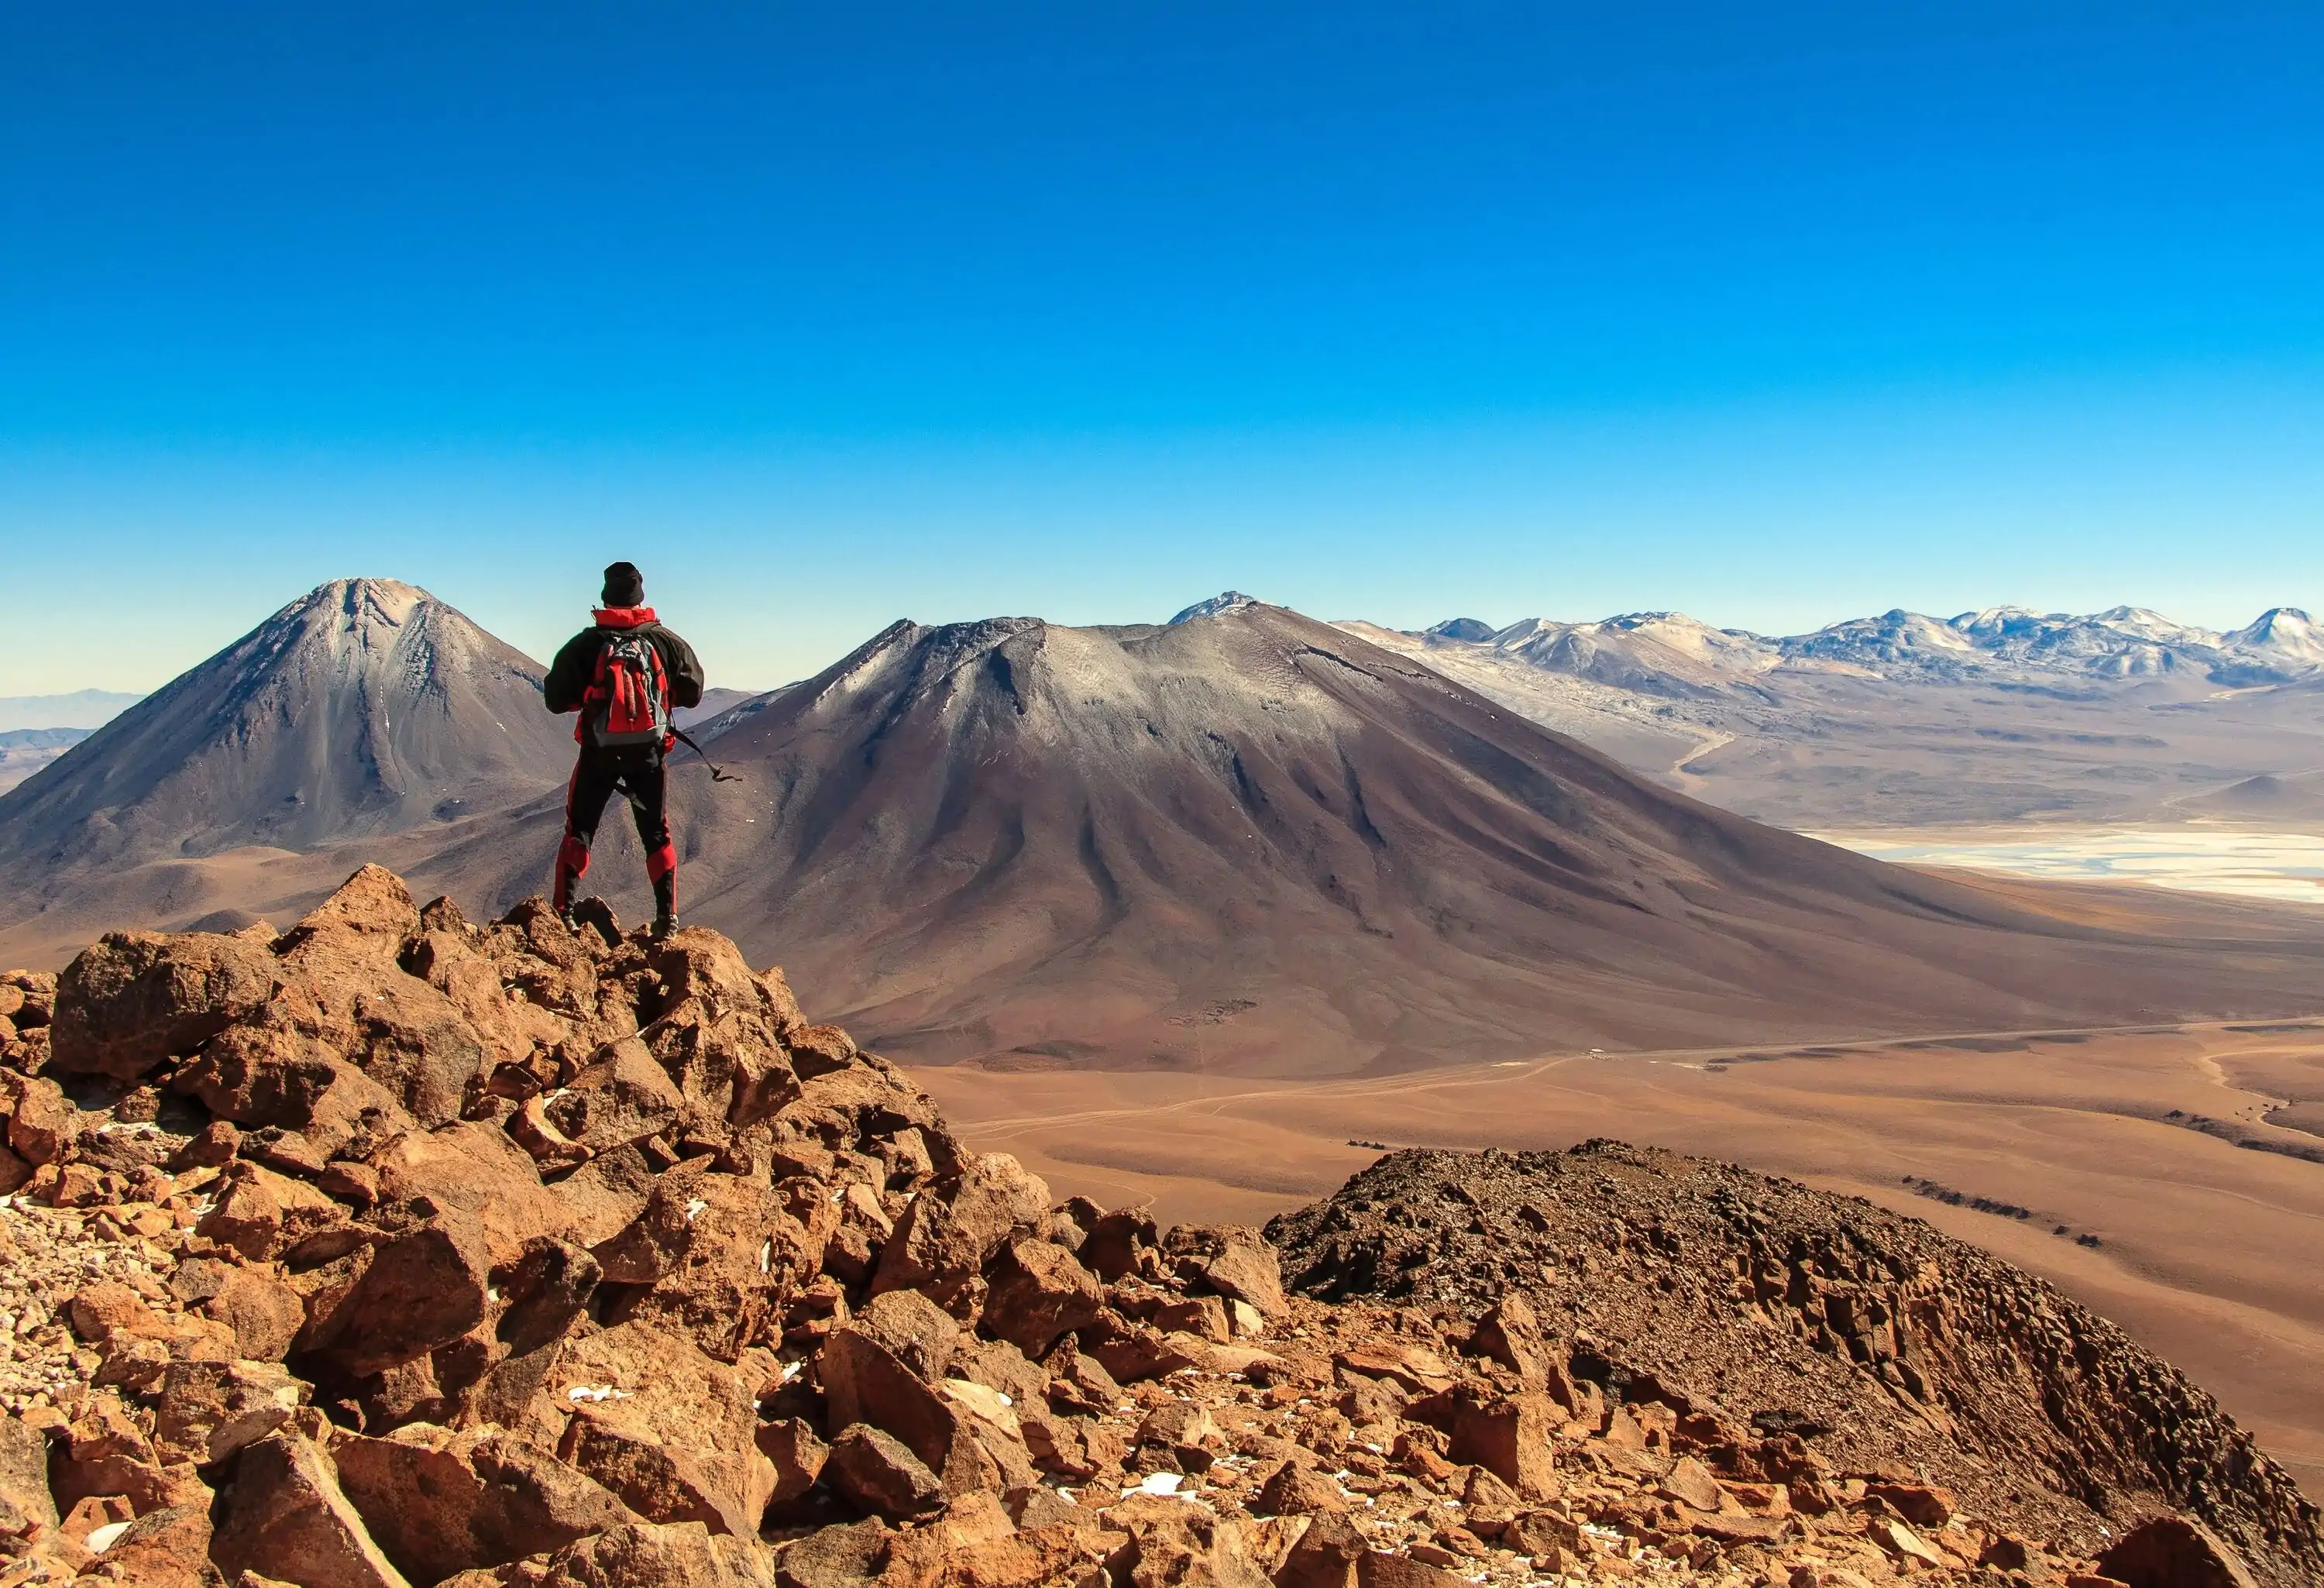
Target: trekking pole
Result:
[[718, 774]]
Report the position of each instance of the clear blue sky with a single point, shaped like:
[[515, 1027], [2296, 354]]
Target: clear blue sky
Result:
[[1777, 314]]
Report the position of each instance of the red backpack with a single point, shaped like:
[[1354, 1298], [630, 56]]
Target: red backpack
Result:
[[628, 701]]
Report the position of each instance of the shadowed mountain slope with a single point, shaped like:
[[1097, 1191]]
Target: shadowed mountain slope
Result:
[[364, 707], [1252, 842]]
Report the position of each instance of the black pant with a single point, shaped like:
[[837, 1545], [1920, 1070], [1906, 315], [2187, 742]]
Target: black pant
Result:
[[637, 772]]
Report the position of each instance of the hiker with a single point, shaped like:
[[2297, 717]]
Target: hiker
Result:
[[624, 675]]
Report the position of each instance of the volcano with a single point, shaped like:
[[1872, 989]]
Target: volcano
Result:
[[1251, 842], [365, 707]]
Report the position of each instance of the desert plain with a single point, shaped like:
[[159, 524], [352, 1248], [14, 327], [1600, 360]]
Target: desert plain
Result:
[[2209, 1253]]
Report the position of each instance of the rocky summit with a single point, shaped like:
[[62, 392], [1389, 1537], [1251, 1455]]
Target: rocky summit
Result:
[[396, 1249]]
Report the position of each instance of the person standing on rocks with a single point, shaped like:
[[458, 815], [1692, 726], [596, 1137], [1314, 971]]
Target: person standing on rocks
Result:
[[625, 675]]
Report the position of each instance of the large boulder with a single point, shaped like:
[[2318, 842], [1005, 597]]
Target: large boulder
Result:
[[720, 1255], [283, 1516], [1036, 1291], [663, 1425], [132, 999], [686, 1556], [439, 1503], [2173, 1552]]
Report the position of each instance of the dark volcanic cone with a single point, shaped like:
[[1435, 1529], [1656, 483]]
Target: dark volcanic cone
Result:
[[1253, 841], [364, 707]]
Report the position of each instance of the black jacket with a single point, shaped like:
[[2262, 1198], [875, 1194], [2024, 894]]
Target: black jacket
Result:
[[576, 667]]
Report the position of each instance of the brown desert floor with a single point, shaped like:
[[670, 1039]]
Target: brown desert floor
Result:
[[2209, 1253]]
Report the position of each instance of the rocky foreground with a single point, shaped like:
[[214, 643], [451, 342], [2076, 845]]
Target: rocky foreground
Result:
[[394, 1250]]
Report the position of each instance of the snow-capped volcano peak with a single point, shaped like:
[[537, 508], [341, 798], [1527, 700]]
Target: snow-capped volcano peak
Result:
[[1226, 601]]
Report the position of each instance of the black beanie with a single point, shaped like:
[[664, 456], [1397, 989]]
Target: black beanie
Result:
[[624, 585]]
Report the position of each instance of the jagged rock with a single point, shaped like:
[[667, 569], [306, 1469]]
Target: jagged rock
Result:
[[1234, 1262], [282, 1514], [1507, 1435], [438, 1503], [643, 1556], [1295, 1490], [264, 1313], [623, 1096], [1036, 1292], [474, 1169], [168, 1548], [663, 1425], [543, 1292], [1510, 1334], [1325, 1556], [718, 1256], [931, 1253], [799, 1454], [422, 1289], [25, 1502], [135, 1000], [207, 1410], [836, 1558], [2172, 1552], [879, 1473], [996, 1195], [1378, 1569], [40, 1117], [1175, 1543]]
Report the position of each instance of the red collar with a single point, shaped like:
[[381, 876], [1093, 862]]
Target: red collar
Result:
[[624, 618]]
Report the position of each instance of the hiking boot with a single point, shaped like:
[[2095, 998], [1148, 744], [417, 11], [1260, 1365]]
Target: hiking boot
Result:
[[665, 919], [664, 924]]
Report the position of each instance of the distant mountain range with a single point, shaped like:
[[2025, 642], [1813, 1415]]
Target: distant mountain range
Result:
[[1673, 653], [1244, 840], [83, 708]]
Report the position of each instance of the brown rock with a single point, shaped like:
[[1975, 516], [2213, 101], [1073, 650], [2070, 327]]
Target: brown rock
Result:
[[720, 1256], [423, 1289], [207, 1410], [135, 999], [439, 1503], [1917, 1503], [1173, 1543], [685, 1555], [264, 1313], [1295, 1490], [475, 1168], [1323, 1557], [1416, 1368], [1202, 1316], [25, 1502], [1236, 1262], [623, 1096], [666, 1426], [1378, 1569], [996, 1195], [1036, 1292], [1130, 1355], [1507, 1435], [1544, 1535], [799, 1454], [879, 1473], [931, 1253], [168, 1547], [41, 1120], [1117, 1243], [1690, 1482], [836, 1557], [282, 1514], [1510, 1334], [2174, 1552]]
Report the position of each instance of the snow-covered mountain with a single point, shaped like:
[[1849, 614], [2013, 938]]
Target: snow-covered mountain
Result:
[[1670, 653]]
